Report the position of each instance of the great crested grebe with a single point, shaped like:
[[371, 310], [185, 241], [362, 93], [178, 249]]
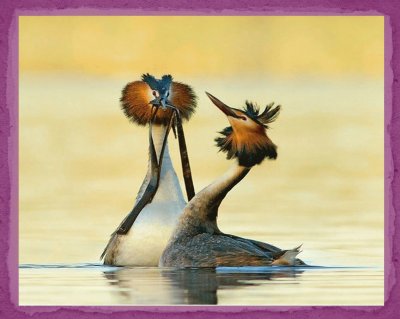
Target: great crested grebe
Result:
[[197, 240], [143, 234]]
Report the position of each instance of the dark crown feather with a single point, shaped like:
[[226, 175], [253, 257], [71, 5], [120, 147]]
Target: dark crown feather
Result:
[[166, 78], [267, 116], [150, 80]]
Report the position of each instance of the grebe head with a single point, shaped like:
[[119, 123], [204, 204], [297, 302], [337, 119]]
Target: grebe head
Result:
[[139, 97], [246, 139]]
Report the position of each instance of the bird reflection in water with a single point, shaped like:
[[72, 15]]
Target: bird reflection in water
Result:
[[189, 286]]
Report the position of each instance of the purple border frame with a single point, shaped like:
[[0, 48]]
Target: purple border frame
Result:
[[10, 11]]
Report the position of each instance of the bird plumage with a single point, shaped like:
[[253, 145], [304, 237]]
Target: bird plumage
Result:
[[143, 244], [197, 241], [142, 235]]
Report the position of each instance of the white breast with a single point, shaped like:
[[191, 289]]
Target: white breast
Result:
[[146, 240]]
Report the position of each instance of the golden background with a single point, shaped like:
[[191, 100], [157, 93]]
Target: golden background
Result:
[[203, 46]]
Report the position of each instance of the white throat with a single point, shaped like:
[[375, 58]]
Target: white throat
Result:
[[169, 188]]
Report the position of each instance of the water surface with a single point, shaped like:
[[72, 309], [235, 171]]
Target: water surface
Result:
[[95, 284]]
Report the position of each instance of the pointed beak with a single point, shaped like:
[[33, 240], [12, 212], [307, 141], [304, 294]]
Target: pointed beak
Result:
[[163, 105], [160, 101], [223, 107]]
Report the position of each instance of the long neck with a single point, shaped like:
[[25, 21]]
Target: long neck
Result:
[[202, 210], [158, 134], [169, 188]]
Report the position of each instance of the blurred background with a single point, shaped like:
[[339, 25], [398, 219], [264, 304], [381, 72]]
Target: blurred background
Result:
[[81, 162]]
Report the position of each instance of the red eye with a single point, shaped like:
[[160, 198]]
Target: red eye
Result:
[[155, 93], [244, 118]]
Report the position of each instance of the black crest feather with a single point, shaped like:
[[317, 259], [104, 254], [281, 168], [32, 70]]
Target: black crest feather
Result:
[[267, 116], [150, 80], [160, 85], [166, 78], [270, 113]]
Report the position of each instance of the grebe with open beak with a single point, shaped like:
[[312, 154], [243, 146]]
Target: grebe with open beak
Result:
[[143, 234], [197, 240]]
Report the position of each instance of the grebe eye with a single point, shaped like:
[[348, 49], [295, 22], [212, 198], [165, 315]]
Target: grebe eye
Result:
[[155, 93], [244, 118]]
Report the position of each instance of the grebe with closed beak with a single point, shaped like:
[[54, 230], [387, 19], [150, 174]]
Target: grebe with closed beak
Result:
[[197, 240], [143, 234]]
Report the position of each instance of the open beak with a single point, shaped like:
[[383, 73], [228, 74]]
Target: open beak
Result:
[[223, 107]]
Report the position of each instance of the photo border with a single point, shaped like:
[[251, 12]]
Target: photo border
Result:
[[9, 14]]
